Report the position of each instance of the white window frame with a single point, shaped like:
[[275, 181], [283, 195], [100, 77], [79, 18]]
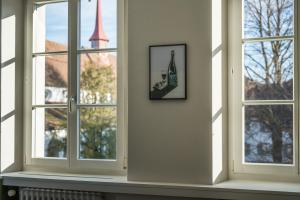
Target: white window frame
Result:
[[236, 102], [71, 163]]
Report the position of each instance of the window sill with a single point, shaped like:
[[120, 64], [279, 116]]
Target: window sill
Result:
[[233, 189]]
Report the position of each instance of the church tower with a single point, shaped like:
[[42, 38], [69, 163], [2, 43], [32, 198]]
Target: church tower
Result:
[[99, 38]]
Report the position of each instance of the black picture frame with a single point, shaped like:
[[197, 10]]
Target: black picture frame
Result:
[[165, 82]]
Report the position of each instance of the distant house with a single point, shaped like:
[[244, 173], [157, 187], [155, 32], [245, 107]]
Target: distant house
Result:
[[57, 66]]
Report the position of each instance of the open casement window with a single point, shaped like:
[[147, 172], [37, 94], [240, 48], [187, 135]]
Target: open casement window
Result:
[[264, 86], [74, 108]]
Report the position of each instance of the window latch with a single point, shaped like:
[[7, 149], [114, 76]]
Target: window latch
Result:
[[71, 104]]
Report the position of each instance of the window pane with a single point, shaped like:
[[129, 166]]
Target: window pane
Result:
[[50, 79], [268, 18], [98, 24], [269, 134], [269, 70], [50, 27], [50, 138], [97, 138], [98, 78]]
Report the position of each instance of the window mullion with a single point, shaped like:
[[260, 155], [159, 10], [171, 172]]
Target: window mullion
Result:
[[44, 2], [97, 50], [49, 53], [50, 106], [73, 80], [266, 39], [96, 105], [296, 83], [271, 102]]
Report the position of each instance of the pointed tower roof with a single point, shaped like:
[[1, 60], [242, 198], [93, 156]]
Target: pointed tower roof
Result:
[[98, 31]]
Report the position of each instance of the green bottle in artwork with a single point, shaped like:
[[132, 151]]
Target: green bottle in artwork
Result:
[[172, 71]]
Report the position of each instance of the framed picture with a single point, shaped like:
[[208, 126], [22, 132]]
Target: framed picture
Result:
[[167, 72]]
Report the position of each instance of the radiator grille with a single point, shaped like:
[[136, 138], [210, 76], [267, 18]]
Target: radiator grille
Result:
[[49, 194]]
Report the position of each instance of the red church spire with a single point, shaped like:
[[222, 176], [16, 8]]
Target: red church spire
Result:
[[99, 38]]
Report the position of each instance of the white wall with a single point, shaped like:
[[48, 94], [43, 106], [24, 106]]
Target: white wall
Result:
[[11, 84], [170, 141]]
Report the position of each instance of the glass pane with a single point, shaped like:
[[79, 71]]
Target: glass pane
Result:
[[50, 138], [98, 127], [50, 27], [50, 79], [98, 78], [269, 134], [269, 70], [98, 24], [268, 18]]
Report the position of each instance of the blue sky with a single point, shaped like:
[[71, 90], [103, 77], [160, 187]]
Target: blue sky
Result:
[[57, 21], [254, 60]]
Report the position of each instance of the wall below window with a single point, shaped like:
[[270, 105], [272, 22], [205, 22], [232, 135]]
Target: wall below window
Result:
[[170, 141]]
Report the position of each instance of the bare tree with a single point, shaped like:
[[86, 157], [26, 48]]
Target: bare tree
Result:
[[269, 70]]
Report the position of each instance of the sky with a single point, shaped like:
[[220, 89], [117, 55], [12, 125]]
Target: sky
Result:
[[57, 21], [253, 57]]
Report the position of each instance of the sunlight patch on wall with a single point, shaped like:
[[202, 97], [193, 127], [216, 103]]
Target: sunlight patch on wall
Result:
[[217, 93], [8, 40], [217, 147], [217, 114], [39, 33], [7, 143], [217, 83], [38, 125], [8, 89]]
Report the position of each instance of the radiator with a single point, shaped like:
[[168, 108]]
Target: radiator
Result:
[[49, 194]]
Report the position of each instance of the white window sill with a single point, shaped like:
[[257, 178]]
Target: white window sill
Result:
[[233, 189]]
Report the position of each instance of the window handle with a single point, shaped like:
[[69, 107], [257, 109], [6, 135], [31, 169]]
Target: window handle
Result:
[[71, 104]]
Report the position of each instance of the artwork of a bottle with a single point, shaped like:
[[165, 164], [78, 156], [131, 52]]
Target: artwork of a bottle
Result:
[[172, 72]]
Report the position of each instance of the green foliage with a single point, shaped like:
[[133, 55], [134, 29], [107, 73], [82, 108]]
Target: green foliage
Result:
[[56, 120], [98, 125], [97, 82], [98, 133]]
